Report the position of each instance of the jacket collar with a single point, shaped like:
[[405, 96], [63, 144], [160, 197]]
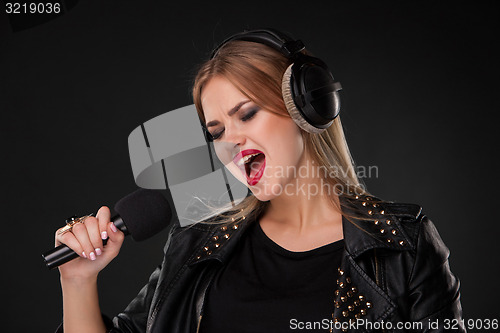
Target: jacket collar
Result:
[[219, 241], [368, 223]]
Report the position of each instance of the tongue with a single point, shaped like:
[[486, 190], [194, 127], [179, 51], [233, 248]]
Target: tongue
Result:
[[255, 165]]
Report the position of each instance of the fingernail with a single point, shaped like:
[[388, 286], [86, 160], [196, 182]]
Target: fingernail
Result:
[[84, 255], [92, 256], [113, 227], [98, 251], [104, 235]]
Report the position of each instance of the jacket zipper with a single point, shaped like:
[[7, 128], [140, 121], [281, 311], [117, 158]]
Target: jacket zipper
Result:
[[377, 274], [376, 268], [199, 322]]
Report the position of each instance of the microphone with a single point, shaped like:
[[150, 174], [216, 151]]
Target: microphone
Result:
[[141, 214]]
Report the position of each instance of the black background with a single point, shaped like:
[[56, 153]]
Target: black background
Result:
[[419, 102]]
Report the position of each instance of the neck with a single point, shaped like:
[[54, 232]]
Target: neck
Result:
[[306, 203]]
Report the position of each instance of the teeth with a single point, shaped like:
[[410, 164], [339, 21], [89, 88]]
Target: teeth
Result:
[[246, 158]]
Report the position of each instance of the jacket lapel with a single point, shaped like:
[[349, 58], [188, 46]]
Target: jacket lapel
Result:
[[368, 224], [220, 241], [358, 297]]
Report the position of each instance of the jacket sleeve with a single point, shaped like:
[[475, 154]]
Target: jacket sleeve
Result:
[[434, 291], [135, 316]]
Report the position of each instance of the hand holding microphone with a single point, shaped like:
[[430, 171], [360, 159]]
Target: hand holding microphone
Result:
[[98, 240]]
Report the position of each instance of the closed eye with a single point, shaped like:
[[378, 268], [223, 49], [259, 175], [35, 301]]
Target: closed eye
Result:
[[217, 135], [249, 115]]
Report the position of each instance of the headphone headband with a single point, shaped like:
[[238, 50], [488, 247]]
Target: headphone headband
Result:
[[279, 41]]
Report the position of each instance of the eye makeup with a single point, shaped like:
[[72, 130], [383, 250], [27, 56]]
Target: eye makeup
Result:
[[246, 117], [249, 115]]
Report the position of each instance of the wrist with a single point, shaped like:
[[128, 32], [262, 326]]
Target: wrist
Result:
[[79, 281]]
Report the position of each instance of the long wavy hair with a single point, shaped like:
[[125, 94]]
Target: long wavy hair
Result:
[[256, 70]]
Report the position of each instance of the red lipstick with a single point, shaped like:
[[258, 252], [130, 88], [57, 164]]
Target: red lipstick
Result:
[[239, 160]]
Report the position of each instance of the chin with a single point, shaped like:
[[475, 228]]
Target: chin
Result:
[[263, 190], [262, 196]]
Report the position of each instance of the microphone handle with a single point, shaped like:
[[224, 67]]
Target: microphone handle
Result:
[[62, 253]]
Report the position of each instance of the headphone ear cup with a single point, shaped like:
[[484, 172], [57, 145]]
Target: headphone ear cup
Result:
[[293, 110], [310, 94]]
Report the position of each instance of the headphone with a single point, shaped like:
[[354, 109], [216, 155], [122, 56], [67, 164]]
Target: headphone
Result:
[[309, 90]]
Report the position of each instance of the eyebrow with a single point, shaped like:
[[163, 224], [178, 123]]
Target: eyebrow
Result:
[[230, 113]]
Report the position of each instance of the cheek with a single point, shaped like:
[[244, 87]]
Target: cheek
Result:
[[288, 139], [236, 172], [283, 141], [280, 129]]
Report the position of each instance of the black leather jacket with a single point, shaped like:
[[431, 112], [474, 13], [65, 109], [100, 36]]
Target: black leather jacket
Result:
[[394, 271]]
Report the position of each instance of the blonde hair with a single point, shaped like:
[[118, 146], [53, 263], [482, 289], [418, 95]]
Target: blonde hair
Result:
[[256, 70]]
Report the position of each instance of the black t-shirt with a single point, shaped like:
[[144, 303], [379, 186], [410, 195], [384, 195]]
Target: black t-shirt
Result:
[[266, 288]]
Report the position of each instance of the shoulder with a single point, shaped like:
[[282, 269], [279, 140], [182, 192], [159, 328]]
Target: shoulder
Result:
[[419, 228], [432, 289], [181, 239], [426, 251], [191, 236], [193, 231]]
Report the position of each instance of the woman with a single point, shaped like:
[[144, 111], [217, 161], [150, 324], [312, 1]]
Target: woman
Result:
[[309, 249]]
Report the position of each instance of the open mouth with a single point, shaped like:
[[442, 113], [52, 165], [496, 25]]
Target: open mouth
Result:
[[252, 164]]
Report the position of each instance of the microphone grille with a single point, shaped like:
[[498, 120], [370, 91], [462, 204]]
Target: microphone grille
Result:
[[144, 212]]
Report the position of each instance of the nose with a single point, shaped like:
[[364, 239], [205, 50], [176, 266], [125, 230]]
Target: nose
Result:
[[234, 135], [230, 144]]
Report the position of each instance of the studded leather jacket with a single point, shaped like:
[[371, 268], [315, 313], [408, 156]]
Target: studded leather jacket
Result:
[[394, 275]]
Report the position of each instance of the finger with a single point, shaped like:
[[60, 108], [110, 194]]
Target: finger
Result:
[[94, 235], [103, 216], [115, 240], [81, 234], [58, 237], [70, 240]]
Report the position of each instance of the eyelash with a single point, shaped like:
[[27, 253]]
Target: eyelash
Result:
[[246, 117]]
